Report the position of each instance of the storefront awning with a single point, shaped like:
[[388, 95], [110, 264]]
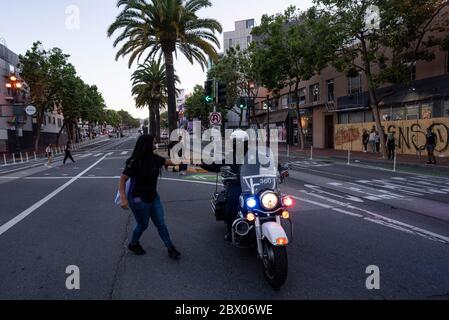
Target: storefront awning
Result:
[[275, 117]]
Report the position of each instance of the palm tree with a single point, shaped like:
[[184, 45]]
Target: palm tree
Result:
[[150, 90], [163, 27]]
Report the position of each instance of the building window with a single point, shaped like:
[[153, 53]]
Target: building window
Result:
[[356, 117], [330, 90], [284, 102], [385, 114], [249, 24], [230, 43], [355, 84], [343, 118], [49, 120], [412, 112], [315, 92], [369, 116], [446, 108], [426, 110], [59, 123], [302, 96], [398, 114]]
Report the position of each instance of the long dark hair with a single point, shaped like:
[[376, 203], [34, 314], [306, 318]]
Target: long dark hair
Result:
[[144, 148]]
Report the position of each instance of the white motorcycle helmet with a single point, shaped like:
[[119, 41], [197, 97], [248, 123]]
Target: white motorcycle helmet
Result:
[[240, 136]]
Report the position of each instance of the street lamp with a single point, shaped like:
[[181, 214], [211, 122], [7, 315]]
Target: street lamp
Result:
[[15, 85]]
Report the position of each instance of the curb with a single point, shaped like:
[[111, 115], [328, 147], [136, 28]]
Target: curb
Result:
[[434, 169]]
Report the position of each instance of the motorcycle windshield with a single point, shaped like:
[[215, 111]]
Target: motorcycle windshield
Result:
[[259, 172]]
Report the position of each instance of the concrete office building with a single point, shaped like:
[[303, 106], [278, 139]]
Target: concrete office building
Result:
[[241, 36]]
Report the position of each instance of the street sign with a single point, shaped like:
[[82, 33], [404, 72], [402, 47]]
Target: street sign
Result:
[[31, 110], [215, 119]]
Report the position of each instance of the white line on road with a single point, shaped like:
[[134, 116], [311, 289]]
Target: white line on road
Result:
[[124, 153], [40, 203], [391, 223], [98, 155], [189, 181]]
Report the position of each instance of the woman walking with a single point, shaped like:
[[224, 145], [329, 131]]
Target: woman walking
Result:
[[49, 155], [143, 168], [365, 140], [68, 153], [372, 140]]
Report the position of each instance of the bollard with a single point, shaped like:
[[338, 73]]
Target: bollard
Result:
[[311, 153], [13, 158], [288, 151], [349, 157], [35, 156], [28, 159], [4, 159], [21, 158], [395, 163]]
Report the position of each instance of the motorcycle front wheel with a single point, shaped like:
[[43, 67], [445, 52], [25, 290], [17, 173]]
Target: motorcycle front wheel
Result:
[[275, 264]]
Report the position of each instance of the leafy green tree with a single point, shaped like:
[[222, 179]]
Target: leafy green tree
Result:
[[127, 120], [45, 72], [112, 118], [295, 46], [165, 27], [150, 91], [235, 69], [383, 40]]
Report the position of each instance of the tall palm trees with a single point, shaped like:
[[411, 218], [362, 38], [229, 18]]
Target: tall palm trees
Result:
[[163, 27], [149, 89]]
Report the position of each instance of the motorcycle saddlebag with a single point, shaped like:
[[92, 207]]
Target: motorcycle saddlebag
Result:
[[218, 204]]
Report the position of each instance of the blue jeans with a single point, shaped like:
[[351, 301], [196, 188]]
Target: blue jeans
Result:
[[143, 212]]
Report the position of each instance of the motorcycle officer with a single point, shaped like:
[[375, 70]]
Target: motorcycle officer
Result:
[[233, 189]]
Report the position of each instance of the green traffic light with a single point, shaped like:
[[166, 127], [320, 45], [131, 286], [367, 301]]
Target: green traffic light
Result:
[[209, 99]]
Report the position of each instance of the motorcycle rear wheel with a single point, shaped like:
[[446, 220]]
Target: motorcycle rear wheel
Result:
[[275, 265]]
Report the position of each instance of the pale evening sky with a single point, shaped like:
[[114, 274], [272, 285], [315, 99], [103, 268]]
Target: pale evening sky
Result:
[[26, 21]]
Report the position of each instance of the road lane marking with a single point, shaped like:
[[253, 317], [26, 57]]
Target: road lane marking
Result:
[[387, 222], [124, 153], [189, 181], [4, 228], [312, 202], [348, 213], [98, 155]]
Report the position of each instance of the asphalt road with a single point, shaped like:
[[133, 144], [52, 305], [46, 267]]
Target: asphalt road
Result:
[[346, 218]]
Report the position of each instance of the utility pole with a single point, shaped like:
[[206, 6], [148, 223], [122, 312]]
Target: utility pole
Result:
[[268, 121]]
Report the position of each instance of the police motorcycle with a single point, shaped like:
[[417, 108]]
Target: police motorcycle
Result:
[[263, 216]]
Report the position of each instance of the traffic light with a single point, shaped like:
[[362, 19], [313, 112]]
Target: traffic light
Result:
[[208, 91], [222, 93], [246, 103], [242, 103]]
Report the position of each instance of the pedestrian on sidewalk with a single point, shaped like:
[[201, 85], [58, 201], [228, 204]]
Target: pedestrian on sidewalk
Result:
[[49, 155], [391, 146], [365, 140], [68, 152], [372, 140], [182, 166], [143, 168], [431, 143], [377, 141]]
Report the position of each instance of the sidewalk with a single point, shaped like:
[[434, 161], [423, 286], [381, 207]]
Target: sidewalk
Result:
[[415, 161]]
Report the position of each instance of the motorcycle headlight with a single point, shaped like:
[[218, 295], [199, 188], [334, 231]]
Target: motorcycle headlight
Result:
[[269, 200]]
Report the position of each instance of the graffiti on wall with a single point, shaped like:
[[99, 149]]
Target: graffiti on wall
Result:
[[410, 135]]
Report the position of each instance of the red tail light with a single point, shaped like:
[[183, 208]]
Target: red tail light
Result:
[[287, 201]]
